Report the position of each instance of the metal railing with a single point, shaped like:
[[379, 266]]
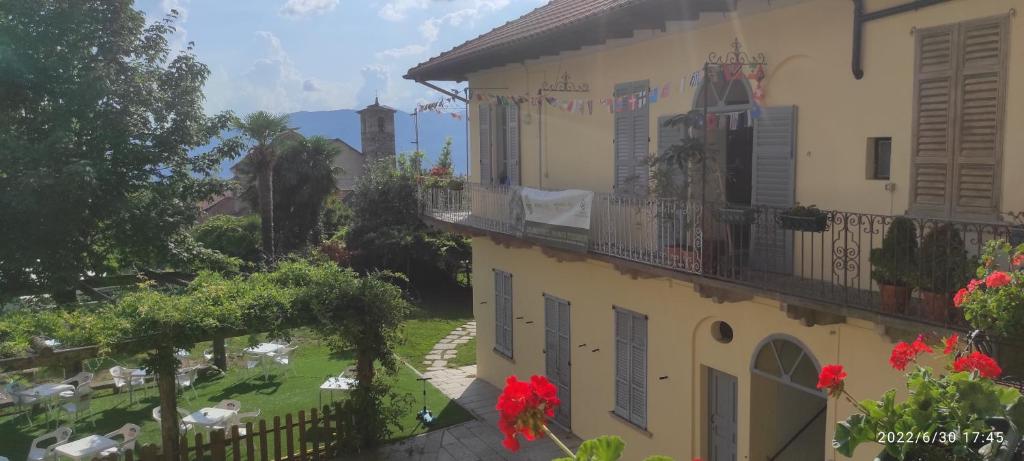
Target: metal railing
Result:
[[824, 257]]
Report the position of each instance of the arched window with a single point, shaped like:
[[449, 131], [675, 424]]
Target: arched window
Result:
[[380, 124], [723, 95], [782, 359]]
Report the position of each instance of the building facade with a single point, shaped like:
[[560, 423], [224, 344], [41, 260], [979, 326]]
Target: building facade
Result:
[[695, 318]]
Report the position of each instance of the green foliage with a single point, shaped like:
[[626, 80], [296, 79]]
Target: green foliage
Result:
[[303, 181], [444, 160], [943, 265], [1000, 310], [95, 168], [379, 412], [804, 211], [895, 262], [234, 236], [260, 132], [605, 448], [387, 233], [942, 408], [335, 218]]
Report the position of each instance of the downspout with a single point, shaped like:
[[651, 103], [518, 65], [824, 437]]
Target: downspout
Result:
[[860, 18]]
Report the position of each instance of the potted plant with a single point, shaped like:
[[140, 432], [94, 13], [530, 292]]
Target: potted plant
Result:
[[893, 265], [804, 219], [994, 302], [942, 269], [958, 413], [735, 214], [456, 184]]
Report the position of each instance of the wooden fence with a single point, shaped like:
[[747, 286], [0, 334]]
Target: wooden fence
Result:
[[311, 436]]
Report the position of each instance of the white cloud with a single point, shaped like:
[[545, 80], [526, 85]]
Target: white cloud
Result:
[[299, 8], [397, 10], [395, 53], [468, 13], [376, 79], [273, 82]]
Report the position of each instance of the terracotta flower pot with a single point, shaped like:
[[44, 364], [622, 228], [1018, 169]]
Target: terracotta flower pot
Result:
[[894, 298], [936, 306]]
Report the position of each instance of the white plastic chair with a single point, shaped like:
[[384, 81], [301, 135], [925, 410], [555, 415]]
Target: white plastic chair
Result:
[[187, 378], [182, 413], [237, 421], [82, 402], [39, 452], [284, 358], [82, 379], [21, 399], [128, 433], [232, 405], [123, 378]]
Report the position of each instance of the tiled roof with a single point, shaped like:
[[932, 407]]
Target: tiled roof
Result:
[[558, 26]]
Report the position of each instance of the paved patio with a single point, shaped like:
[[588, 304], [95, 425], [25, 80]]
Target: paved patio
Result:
[[473, 440]]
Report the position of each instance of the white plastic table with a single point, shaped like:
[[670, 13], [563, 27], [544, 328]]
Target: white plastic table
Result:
[[47, 394], [209, 417], [336, 383], [134, 373], [85, 448], [265, 349]]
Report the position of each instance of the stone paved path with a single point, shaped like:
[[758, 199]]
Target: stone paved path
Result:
[[479, 439], [444, 350]]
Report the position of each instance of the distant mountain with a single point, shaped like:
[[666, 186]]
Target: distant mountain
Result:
[[344, 124]]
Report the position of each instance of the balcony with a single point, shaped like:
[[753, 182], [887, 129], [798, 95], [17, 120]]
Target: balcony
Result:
[[819, 267]]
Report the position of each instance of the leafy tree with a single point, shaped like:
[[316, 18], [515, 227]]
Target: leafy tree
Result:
[[335, 218], [303, 180], [260, 130], [96, 125], [444, 160], [387, 233], [235, 236]]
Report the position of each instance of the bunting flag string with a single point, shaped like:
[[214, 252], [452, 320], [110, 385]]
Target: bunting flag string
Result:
[[688, 83]]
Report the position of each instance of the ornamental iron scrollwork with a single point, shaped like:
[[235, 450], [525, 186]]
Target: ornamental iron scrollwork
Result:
[[737, 56], [564, 84]]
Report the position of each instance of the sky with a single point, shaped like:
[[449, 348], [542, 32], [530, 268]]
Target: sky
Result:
[[308, 55]]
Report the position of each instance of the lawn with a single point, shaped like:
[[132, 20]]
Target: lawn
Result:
[[465, 354], [285, 392], [436, 315]]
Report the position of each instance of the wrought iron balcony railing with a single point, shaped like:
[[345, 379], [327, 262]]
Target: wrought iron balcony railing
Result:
[[825, 256]]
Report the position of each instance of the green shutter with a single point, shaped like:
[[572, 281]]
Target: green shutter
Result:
[[484, 122]]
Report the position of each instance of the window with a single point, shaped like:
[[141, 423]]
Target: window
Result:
[[380, 124], [631, 366], [879, 158], [503, 313], [959, 98], [499, 144]]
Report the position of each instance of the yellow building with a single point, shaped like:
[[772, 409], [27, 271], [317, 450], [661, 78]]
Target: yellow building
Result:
[[690, 312]]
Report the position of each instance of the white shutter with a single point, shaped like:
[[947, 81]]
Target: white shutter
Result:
[[512, 144], [622, 355], [484, 122], [981, 98], [551, 338], [638, 371], [774, 184]]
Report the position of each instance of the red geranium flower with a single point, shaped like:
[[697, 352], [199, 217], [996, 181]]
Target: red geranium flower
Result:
[[524, 408], [1018, 259], [983, 364], [831, 378], [973, 285], [960, 297], [997, 279], [951, 343], [905, 353]]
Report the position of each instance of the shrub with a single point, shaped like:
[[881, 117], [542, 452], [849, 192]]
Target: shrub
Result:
[[894, 263], [234, 236], [943, 266]]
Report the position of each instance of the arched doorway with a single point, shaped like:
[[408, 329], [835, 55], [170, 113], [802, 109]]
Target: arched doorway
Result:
[[785, 404]]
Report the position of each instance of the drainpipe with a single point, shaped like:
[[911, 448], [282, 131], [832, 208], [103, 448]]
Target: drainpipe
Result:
[[860, 18]]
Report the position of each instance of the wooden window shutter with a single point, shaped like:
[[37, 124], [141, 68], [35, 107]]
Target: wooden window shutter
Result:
[[934, 117], [484, 122], [550, 337], [632, 133], [623, 327], [512, 144], [981, 94], [638, 371], [503, 312]]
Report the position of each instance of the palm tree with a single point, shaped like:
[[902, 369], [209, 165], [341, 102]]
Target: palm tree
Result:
[[305, 178], [260, 129]]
